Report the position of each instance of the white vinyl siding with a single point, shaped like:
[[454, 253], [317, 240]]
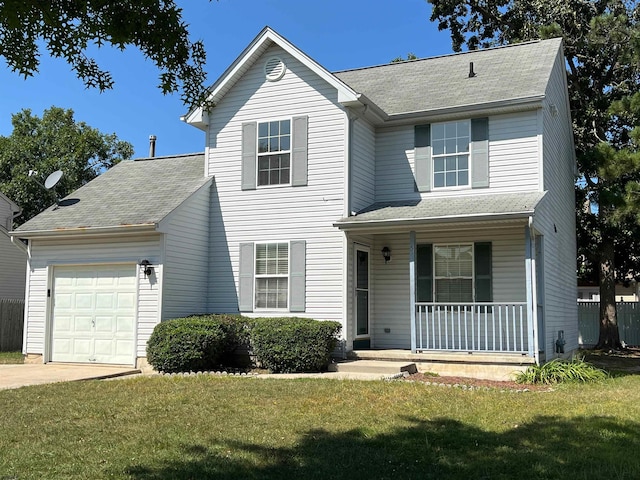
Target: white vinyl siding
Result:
[[390, 282], [13, 267], [279, 214], [362, 165], [187, 258], [513, 159], [556, 216], [48, 253]]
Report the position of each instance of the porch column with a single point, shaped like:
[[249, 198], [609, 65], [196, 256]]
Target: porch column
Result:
[[531, 297], [412, 288]]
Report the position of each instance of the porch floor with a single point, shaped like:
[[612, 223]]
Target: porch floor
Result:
[[472, 365]]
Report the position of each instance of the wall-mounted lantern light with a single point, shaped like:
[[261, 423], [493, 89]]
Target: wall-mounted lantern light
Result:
[[146, 267], [386, 253]]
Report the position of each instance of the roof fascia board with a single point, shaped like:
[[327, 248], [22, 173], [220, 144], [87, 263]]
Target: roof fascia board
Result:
[[413, 222], [93, 231], [467, 111], [197, 116]]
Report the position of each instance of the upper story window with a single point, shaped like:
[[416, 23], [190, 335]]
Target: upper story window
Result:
[[450, 152], [274, 153]]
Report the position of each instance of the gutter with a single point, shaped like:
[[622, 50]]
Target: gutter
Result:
[[96, 231], [400, 222]]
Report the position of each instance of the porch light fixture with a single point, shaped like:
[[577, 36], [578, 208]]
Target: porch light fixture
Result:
[[386, 253], [147, 269]]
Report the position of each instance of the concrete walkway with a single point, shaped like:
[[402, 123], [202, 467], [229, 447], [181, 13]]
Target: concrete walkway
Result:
[[16, 376]]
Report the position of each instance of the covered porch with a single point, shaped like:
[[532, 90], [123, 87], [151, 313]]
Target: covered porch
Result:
[[447, 287]]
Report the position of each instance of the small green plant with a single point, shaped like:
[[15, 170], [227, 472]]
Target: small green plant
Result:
[[293, 344], [561, 371], [187, 344]]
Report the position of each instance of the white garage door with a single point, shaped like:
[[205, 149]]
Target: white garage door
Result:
[[94, 314]]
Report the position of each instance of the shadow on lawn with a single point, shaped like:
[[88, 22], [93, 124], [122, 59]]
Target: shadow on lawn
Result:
[[548, 447]]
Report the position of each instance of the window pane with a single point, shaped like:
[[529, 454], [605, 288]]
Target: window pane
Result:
[[285, 127], [463, 162], [263, 130], [362, 272], [284, 143], [451, 179], [263, 177], [362, 320], [438, 165], [463, 144], [438, 180], [463, 128], [437, 131], [451, 163], [457, 290], [274, 128], [284, 160], [284, 175], [451, 145], [438, 147], [263, 145], [274, 144], [463, 177], [450, 130]]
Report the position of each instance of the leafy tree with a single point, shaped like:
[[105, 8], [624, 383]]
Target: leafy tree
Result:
[[67, 28], [54, 142], [602, 42]]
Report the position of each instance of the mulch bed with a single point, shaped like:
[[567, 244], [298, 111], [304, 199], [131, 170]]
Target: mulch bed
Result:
[[622, 361]]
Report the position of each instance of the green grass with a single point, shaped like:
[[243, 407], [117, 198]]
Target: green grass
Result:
[[11, 357], [249, 428]]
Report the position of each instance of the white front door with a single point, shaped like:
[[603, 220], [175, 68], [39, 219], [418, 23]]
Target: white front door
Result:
[[94, 309]]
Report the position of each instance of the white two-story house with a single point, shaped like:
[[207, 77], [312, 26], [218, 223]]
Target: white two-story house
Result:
[[427, 205]]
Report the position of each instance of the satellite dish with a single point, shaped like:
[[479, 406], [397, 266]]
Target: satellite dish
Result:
[[53, 179]]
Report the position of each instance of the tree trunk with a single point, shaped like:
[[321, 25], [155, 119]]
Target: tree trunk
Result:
[[609, 336]]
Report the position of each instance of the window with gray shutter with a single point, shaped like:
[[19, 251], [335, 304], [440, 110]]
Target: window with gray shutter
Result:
[[299, 151], [480, 152], [245, 287], [297, 276], [422, 157], [249, 137]]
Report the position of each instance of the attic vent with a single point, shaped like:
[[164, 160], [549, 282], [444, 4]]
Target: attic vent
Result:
[[274, 69]]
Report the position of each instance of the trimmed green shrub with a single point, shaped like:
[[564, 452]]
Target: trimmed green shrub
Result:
[[285, 345], [559, 371], [187, 344]]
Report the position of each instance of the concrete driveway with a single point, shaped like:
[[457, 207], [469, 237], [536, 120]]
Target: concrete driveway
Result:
[[16, 376]]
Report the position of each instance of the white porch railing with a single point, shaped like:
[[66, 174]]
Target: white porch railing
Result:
[[472, 327]]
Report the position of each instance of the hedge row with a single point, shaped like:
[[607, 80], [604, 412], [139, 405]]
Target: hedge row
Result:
[[197, 343]]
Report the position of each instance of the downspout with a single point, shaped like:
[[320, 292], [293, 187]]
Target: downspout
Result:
[[534, 292]]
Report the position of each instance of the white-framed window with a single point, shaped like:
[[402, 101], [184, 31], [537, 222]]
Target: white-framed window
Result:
[[272, 276], [274, 153], [450, 153], [453, 273]]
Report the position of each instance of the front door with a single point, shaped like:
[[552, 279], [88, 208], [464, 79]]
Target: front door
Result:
[[361, 300]]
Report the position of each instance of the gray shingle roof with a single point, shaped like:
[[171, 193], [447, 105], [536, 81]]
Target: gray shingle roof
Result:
[[141, 192], [505, 73], [444, 209]]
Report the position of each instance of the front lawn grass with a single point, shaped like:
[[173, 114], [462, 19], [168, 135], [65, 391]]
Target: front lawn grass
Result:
[[11, 357], [251, 428]]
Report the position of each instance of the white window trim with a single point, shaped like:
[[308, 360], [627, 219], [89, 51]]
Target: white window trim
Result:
[[280, 275], [473, 269], [258, 154], [433, 157]]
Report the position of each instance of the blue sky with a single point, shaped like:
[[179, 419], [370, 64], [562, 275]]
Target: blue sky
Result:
[[338, 34]]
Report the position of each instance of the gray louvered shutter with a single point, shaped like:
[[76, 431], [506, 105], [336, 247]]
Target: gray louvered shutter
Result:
[[297, 276], [245, 294], [479, 152], [249, 154], [482, 269], [299, 151], [422, 157]]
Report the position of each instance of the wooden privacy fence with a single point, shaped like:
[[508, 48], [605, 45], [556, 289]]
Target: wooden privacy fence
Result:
[[11, 324], [628, 314]]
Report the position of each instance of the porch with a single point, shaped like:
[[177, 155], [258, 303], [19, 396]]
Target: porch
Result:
[[455, 291]]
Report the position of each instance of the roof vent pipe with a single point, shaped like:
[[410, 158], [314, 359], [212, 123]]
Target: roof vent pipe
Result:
[[152, 146], [471, 72]]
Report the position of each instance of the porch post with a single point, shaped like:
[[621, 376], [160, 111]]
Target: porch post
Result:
[[530, 287], [412, 288]]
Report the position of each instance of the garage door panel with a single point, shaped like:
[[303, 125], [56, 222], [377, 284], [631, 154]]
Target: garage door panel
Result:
[[94, 314]]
